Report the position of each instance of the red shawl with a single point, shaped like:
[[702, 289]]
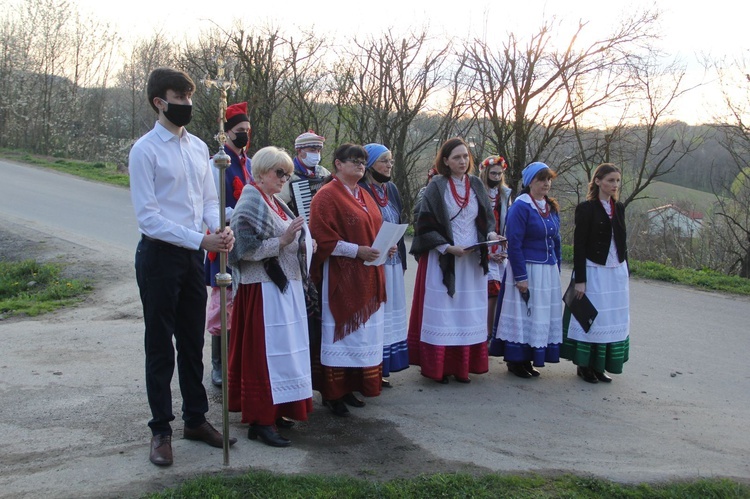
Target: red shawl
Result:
[[355, 290]]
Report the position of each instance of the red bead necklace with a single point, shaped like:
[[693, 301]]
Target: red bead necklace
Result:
[[382, 201], [547, 210], [461, 201], [273, 205]]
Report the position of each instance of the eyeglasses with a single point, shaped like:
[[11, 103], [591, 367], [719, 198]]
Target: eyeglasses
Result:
[[386, 161], [495, 174], [358, 162], [282, 174]]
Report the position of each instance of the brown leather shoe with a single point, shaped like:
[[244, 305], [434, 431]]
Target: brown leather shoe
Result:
[[161, 450], [207, 433]]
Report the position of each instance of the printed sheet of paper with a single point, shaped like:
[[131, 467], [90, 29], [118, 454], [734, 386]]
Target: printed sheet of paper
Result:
[[387, 237], [308, 245]]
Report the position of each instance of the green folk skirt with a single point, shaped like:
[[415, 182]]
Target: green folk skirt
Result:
[[598, 356]]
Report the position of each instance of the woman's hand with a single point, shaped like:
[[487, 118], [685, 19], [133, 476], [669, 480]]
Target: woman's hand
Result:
[[367, 254], [392, 251], [498, 257], [314, 245], [580, 289], [288, 236], [522, 286]]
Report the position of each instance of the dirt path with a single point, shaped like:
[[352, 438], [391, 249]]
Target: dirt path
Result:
[[74, 408], [75, 411]]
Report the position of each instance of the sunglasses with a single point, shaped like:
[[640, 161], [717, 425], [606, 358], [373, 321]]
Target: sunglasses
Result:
[[282, 174]]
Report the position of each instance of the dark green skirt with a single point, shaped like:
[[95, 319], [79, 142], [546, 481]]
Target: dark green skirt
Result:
[[598, 356]]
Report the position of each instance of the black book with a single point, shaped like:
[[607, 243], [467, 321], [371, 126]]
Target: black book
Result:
[[581, 308]]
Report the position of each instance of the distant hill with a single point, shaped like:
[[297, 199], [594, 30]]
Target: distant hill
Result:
[[661, 193]]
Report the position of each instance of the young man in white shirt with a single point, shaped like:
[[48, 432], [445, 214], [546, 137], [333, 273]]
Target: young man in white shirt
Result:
[[173, 193]]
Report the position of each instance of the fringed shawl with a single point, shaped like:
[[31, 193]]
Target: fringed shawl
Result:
[[355, 290], [432, 226]]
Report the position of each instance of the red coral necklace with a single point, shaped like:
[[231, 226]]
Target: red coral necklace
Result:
[[274, 205], [382, 201], [461, 201], [546, 212]]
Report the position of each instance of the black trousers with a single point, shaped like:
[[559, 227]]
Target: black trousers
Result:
[[173, 294]]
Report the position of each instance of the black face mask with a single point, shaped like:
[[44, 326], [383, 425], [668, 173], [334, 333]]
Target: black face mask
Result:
[[493, 183], [178, 114], [379, 177], [241, 139]]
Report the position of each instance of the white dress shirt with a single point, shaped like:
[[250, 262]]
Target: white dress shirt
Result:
[[172, 187]]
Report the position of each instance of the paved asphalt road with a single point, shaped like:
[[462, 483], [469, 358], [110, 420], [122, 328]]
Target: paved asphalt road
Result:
[[680, 410]]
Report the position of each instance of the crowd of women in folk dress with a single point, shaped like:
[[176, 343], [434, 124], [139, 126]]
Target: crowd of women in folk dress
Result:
[[487, 280]]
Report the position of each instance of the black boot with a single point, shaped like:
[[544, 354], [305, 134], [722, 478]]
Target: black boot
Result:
[[216, 360], [587, 374], [530, 369], [517, 369]]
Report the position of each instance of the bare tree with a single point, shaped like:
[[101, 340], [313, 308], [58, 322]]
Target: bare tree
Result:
[[385, 95], [532, 94], [733, 198]]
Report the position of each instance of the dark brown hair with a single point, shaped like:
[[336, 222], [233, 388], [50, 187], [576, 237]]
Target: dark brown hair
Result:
[[601, 171], [348, 151], [162, 79], [445, 152]]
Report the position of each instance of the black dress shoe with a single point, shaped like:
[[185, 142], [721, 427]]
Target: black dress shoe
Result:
[[517, 369], [352, 400], [284, 423], [385, 383], [268, 434], [601, 376], [338, 407], [207, 433], [161, 450], [530, 369], [463, 380], [443, 381], [587, 374]]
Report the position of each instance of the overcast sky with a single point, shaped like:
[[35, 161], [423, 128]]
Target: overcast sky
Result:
[[716, 28]]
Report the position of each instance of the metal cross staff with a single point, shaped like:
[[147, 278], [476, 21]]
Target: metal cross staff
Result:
[[223, 279]]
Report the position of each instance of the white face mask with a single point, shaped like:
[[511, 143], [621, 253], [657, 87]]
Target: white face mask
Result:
[[311, 159]]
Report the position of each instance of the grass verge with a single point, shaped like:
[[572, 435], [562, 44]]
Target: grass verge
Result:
[[30, 288], [267, 485], [98, 171]]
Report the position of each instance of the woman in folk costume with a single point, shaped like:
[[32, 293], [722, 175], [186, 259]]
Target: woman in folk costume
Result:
[[269, 359], [600, 271], [529, 330], [492, 175], [377, 181], [448, 323], [236, 177], [344, 220]]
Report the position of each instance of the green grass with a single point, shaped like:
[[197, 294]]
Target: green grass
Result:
[[267, 485], [98, 171], [29, 288], [661, 193]]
